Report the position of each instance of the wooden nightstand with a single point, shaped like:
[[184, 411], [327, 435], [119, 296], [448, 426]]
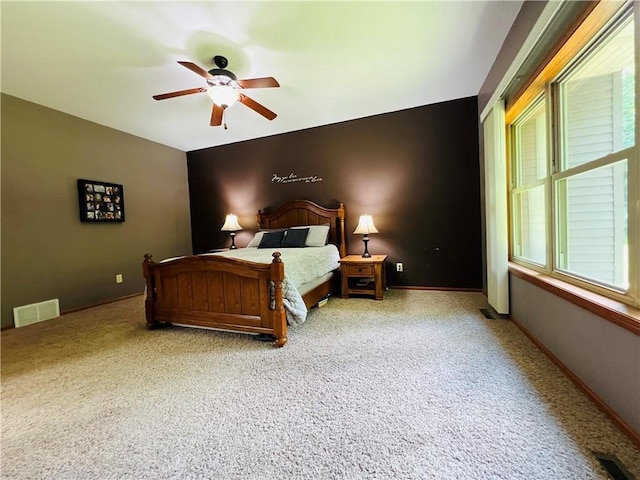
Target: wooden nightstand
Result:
[[363, 276]]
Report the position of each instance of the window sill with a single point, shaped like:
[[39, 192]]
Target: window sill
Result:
[[623, 315]]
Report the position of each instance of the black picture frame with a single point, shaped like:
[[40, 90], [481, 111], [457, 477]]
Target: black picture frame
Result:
[[100, 202]]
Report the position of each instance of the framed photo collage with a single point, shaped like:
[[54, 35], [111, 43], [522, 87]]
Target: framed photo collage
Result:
[[100, 201]]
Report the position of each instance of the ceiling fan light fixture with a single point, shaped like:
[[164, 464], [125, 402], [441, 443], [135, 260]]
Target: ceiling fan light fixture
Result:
[[223, 95]]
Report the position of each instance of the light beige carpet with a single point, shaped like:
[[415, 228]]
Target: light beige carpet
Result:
[[419, 386]]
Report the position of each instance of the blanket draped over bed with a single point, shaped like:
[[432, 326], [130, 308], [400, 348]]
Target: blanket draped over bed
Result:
[[251, 290]]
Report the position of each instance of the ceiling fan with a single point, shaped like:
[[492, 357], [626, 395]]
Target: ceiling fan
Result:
[[224, 88]]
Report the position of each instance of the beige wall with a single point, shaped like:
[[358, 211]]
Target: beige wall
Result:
[[46, 251], [604, 356]]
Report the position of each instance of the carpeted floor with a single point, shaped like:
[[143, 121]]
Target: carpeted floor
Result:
[[419, 386]]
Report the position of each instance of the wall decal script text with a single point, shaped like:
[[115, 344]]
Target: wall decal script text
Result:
[[292, 178]]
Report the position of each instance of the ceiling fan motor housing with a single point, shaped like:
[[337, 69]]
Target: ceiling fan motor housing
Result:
[[220, 61]]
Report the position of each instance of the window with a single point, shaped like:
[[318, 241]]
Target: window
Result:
[[597, 100], [528, 182], [573, 158], [592, 225], [596, 103]]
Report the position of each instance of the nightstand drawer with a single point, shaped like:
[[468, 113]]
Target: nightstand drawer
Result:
[[360, 270]]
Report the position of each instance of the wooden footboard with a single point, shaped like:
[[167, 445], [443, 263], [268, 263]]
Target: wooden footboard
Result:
[[217, 292]]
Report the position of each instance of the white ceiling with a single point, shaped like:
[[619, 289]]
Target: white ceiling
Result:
[[335, 61]]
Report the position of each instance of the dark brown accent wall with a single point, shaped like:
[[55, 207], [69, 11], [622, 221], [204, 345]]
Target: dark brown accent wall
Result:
[[416, 171]]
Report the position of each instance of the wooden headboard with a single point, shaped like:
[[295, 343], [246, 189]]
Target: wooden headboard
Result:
[[305, 212]]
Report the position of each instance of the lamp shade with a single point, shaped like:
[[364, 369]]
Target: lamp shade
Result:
[[365, 225], [231, 224]]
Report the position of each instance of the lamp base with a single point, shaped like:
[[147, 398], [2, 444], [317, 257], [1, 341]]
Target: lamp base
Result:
[[365, 240], [233, 241]]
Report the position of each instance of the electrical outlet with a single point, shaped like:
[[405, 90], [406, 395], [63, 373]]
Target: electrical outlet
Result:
[[119, 278], [399, 267]]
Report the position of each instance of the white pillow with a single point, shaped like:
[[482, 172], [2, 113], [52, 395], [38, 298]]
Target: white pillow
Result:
[[317, 236], [255, 241]]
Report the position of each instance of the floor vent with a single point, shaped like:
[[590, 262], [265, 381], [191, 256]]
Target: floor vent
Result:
[[486, 313], [36, 312], [614, 467]]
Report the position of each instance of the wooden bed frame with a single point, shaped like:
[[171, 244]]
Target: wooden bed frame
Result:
[[230, 294]]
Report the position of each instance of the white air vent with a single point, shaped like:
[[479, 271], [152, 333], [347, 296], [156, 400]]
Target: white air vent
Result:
[[36, 312]]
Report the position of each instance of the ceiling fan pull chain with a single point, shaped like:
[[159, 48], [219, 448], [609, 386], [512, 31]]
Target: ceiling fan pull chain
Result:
[[224, 122]]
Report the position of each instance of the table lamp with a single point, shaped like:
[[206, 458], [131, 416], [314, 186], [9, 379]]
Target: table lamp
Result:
[[231, 225], [365, 227]]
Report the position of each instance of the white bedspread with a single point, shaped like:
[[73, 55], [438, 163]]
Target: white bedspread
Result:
[[301, 265]]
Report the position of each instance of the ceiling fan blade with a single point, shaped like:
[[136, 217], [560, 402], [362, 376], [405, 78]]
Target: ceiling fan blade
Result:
[[179, 93], [259, 82], [196, 69], [253, 105], [216, 115]]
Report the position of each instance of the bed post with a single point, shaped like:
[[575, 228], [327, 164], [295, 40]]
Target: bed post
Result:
[[149, 290], [278, 315], [343, 244]]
